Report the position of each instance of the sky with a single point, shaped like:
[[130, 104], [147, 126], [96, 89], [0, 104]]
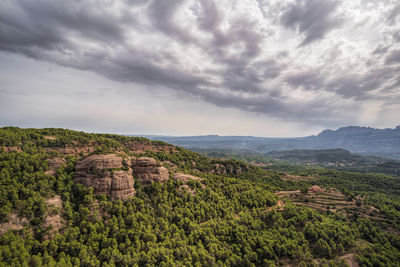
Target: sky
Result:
[[167, 67]]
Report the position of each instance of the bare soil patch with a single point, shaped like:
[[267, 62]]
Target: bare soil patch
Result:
[[14, 223], [56, 201]]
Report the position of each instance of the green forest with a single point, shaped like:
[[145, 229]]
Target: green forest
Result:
[[229, 217]]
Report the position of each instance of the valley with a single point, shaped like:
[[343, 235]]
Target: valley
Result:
[[359, 140]]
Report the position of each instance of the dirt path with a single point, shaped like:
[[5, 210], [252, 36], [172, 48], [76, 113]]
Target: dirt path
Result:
[[350, 260]]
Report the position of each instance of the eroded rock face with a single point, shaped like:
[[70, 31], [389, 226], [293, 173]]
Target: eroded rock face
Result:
[[148, 170], [9, 149], [54, 164], [137, 147], [186, 177], [71, 151], [107, 174], [113, 175]]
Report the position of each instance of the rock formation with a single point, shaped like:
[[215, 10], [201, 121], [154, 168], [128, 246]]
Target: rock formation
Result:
[[71, 151], [54, 164], [107, 174], [113, 175], [148, 170], [141, 147], [186, 177]]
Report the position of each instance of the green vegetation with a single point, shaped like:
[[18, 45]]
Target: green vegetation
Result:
[[338, 159], [231, 219]]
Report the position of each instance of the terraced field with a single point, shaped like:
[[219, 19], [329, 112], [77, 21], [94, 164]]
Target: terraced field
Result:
[[331, 200]]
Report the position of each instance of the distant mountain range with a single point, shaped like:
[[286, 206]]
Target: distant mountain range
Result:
[[360, 140]]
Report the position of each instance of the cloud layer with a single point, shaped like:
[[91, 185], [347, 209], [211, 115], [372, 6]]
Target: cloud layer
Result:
[[321, 62]]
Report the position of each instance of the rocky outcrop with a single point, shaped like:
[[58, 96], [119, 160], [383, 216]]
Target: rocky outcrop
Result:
[[132, 147], [186, 177], [14, 223], [316, 188], [9, 149], [138, 147], [148, 170], [71, 151], [107, 174], [54, 164], [186, 188], [53, 221], [55, 201], [113, 175]]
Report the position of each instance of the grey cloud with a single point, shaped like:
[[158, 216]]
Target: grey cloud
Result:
[[393, 57], [394, 13], [209, 18], [136, 67], [271, 69], [250, 78], [240, 31], [359, 86], [396, 36], [314, 18], [161, 14], [310, 80], [381, 49], [44, 22], [315, 111]]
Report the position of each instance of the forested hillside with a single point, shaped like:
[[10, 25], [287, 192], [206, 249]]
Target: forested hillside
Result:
[[338, 159], [76, 199]]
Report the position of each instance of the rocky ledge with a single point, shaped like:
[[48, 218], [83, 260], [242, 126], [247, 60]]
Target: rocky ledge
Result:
[[148, 170], [107, 174], [113, 175]]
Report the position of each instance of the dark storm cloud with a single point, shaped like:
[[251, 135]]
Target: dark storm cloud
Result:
[[207, 49], [44, 24], [314, 18]]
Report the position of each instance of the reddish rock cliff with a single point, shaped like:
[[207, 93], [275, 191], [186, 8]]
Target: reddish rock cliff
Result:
[[107, 174], [148, 170], [113, 175]]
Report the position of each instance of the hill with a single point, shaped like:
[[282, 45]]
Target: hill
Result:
[[75, 199], [338, 159], [360, 140]]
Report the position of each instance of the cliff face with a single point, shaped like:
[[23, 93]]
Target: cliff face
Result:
[[135, 147], [113, 175], [76, 149], [147, 170], [107, 174]]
